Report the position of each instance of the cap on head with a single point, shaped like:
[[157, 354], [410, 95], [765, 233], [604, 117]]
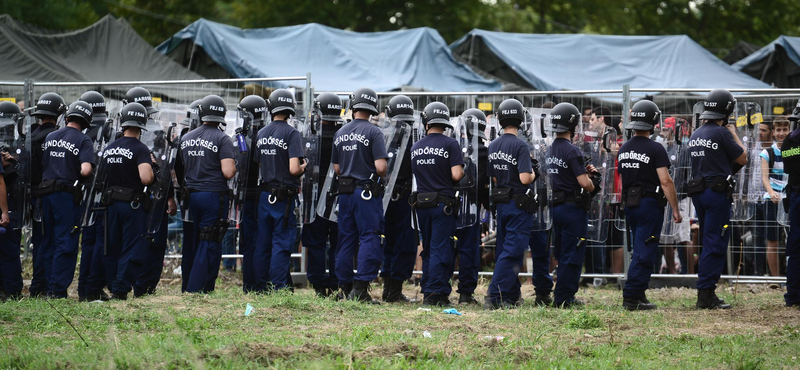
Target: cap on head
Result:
[[401, 108], [364, 99]]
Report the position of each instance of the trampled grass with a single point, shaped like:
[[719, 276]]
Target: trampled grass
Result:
[[171, 330]]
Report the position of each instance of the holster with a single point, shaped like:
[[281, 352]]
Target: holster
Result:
[[526, 202], [215, 232], [432, 200], [400, 190], [583, 200]]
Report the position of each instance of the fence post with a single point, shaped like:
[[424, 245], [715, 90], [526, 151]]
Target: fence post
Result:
[[626, 117]]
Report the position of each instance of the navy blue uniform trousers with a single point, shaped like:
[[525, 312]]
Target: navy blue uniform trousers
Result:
[[644, 230], [274, 243], [320, 263], [792, 296], [713, 213], [152, 260], [400, 252], [60, 219], [39, 278], [540, 256], [513, 236], [125, 229], [360, 227], [468, 256], [204, 210], [88, 246], [569, 241], [438, 249], [10, 265], [248, 230]]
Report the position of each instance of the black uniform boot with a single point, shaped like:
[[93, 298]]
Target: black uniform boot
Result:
[[344, 290], [707, 299], [637, 304], [395, 293], [322, 292], [543, 299], [386, 287], [465, 298], [360, 292]]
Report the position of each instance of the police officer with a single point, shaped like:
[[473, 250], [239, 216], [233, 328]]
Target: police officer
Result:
[[790, 150], [437, 164], [89, 240], [129, 169], [207, 153], [359, 158], [322, 273], [68, 159], [400, 252], [646, 188], [192, 121], [10, 266], [280, 157], [255, 107], [572, 189], [469, 238], [511, 172], [49, 108], [715, 150]]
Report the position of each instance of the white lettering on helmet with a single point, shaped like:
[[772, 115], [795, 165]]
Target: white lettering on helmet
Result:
[[260, 109], [44, 102], [335, 106], [135, 113], [555, 116], [370, 98], [710, 104], [285, 99], [638, 114], [216, 108], [509, 111], [441, 111], [84, 110], [96, 105], [404, 105], [142, 98]]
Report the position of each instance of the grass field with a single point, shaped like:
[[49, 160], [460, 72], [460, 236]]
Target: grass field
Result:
[[172, 330]]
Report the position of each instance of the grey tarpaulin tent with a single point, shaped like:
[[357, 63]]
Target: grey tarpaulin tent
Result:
[[337, 60], [777, 63], [740, 51]]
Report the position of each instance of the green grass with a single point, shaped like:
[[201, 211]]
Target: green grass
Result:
[[171, 331]]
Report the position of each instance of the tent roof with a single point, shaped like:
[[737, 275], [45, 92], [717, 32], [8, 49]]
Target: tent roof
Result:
[[579, 61], [336, 59], [790, 44], [740, 51], [109, 50]]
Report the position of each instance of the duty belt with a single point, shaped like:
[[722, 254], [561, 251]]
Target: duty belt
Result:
[[580, 198], [279, 194], [48, 187], [125, 194], [401, 190]]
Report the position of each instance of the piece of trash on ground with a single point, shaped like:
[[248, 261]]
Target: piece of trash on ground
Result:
[[452, 311], [248, 310], [427, 334]]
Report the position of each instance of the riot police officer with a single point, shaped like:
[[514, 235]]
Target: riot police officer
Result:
[[469, 238], [191, 122], [254, 108], [129, 169], [359, 158], [322, 275], [280, 157], [715, 150], [437, 164], [89, 240], [790, 150], [572, 191], [400, 252], [646, 189], [49, 108], [207, 155], [511, 172], [10, 266], [68, 159]]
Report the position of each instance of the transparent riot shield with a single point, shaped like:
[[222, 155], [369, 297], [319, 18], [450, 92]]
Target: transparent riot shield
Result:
[[675, 133], [328, 203], [311, 132], [417, 133], [397, 135], [12, 142], [598, 147], [242, 130], [162, 137], [94, 189], [747, 117], [466, 133], [494, 132], [539, 141]]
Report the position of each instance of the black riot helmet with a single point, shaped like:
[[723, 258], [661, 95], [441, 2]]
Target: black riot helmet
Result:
[[364, 99], [281, 100], [436, 113], [795, 116], [134, 115], [330, 106], [97, 101], [50, 104], [472, 117], [254, 106], [719, 104], [142, 96], [510, 112], [9, 110], [192, 119], [212, 109], [564, 117], [81, 112], [401, 108], [645, 115]]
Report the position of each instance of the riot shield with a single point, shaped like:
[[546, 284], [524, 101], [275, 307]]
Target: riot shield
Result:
[[676, 133], [328, 203], [95, 187], [538, 142], [598, 149], [783, 215], [243, 139], [162, 137], [467, 189], [397, 135], [494, 132], [310, 130], [12, 141], [747, 116]]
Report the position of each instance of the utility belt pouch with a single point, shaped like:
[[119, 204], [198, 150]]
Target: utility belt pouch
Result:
[[633, 197], [662, 198], [525, 202], [721, 185], [583, 200], [347, 185], [46, 187], [427, 200], [501, 195], [695, 186], [559, 198]]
